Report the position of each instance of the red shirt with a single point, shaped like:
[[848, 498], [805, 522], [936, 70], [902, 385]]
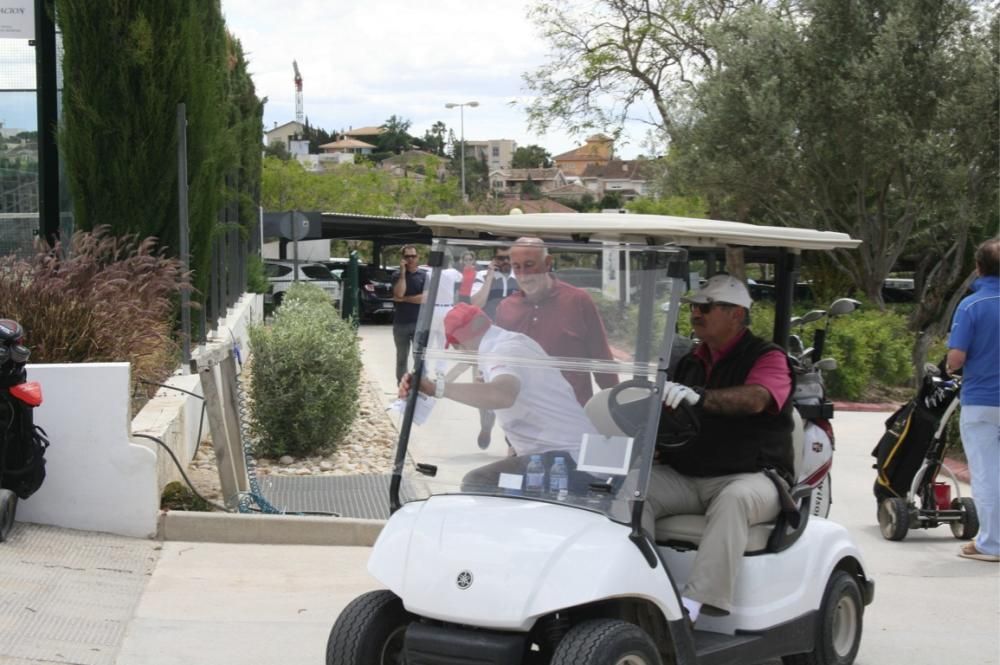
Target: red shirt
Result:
[[770, 371], [565, 323], [468, 277]]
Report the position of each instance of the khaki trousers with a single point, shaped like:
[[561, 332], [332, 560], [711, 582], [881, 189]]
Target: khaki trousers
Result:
[[731, 505]]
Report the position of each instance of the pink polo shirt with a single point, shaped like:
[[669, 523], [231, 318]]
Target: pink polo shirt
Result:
[[770, 371]]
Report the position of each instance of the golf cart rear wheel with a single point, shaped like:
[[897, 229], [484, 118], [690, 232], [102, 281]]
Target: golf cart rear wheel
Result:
[[838, 634], [606, 642], [968, 526], [894, 518], [8, 506], [370, 631]]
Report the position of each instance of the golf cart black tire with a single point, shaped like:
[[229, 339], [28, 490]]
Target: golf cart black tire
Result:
[[603, 641], [968, 527], [366, 626], [894, 518], [8, 506], [841, 602]]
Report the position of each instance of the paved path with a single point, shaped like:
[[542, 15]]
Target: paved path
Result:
[[211, 604]]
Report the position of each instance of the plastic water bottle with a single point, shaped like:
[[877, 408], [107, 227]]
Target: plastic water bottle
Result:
[[559, 479], [534, 477]]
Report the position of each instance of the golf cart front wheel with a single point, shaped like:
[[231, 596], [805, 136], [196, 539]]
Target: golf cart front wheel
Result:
[[968, 526], [8, 506], [838, 633], [370, 631], [606, 642], [894, 518]]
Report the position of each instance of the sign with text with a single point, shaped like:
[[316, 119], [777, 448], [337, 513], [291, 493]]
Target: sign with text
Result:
[[17, 19]]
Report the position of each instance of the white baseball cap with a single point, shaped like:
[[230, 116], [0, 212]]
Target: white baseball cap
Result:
[[722, 289]]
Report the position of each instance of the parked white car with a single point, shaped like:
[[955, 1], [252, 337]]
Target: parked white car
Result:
[[281, 275]]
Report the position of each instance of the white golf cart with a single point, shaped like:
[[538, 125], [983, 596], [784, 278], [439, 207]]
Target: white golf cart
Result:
[[483, 564]]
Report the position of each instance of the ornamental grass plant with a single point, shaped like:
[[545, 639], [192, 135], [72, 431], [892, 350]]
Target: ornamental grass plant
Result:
[[306, 370], [101, 299]]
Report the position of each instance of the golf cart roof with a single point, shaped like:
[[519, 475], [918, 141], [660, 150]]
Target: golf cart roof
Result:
[[655, 229]]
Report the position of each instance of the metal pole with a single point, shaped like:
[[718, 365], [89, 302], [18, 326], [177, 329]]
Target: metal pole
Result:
[[461, 116], [48, 118], [185, 240]]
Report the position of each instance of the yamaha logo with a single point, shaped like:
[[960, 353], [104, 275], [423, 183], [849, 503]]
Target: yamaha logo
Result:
[[464, 580]]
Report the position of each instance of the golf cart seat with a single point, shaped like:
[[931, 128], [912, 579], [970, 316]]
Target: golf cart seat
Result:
[[685, 531]]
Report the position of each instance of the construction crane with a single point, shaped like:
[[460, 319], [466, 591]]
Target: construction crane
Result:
[[299, 114]]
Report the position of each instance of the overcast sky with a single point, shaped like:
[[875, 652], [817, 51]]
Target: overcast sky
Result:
[[362, 61]]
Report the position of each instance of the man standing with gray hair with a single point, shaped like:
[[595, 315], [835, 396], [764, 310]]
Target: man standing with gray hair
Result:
[[974, 346]]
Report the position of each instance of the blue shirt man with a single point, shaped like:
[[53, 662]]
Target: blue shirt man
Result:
[[974, 346]]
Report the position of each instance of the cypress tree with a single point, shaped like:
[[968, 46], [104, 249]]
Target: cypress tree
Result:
[[127, 65]]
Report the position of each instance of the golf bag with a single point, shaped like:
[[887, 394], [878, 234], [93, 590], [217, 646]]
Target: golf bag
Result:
[[22, 443], [914, 433]]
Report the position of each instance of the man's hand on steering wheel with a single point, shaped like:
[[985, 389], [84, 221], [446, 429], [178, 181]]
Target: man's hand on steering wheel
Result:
[[676, 393]]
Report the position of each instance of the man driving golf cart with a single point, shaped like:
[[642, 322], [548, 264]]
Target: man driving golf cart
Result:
[[741, 385]]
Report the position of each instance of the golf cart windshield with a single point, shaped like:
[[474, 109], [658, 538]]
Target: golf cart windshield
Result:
[[547, 390]]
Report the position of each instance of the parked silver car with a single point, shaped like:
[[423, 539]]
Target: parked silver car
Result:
[[281, 275]]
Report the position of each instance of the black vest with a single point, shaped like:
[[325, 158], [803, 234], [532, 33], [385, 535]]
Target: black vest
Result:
[[496, 295], [734, 444]]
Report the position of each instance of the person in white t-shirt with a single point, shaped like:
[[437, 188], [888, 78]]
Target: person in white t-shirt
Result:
[[535, 405], [448, 283]]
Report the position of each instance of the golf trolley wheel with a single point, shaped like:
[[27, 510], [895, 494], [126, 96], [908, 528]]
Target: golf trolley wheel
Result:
[[8, 506], [370, 631], [968, 526], [894, 518], [606, 642], [838, 633]]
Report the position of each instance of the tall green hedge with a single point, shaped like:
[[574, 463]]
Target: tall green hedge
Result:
[[127, 64]]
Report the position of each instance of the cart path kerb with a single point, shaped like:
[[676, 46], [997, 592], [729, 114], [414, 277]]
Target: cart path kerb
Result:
[[662, 229]]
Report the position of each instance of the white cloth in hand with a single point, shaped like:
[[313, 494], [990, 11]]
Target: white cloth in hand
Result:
[[675, 393]]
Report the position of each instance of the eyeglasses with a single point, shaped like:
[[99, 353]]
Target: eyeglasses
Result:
[[706, 307], [409, 256], [502, 258]]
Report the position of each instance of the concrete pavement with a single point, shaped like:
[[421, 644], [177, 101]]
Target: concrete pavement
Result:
[[210, 603]]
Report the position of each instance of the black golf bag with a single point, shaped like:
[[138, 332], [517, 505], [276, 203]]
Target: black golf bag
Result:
[[22, 443], [913, 434]]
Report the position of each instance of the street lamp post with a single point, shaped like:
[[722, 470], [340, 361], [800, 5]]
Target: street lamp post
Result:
[[461, 116]]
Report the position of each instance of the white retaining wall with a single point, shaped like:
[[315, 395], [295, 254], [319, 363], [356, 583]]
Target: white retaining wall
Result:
[[98, 477]]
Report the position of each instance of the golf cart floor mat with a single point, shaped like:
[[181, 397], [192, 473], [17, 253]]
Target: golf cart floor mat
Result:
[[68, 595], [363, 497]]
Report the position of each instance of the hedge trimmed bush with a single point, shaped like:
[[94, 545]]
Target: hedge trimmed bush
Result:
[[304, 382]]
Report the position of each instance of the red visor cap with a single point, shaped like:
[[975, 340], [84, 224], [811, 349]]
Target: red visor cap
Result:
[[463, 322]]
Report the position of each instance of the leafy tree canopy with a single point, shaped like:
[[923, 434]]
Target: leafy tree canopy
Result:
[[531, 157]]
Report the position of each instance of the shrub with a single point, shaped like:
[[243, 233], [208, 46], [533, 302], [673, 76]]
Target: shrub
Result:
[[111, 299], [256, 276], [304, 383], [871, 348]]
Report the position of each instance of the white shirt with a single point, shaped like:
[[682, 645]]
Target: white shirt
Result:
[[481, 280], [447, 282], [545, 415]]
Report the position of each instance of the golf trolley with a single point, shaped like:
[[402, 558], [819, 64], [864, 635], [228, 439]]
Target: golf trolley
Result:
[[542, 558], [909, 458]]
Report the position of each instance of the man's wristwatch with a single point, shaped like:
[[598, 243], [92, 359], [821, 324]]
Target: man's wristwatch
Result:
[[439, 387]]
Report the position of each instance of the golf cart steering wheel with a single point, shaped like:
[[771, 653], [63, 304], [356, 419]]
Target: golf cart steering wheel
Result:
[[682, 424]]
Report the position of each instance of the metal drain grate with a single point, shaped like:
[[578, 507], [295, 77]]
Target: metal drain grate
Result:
[[365, 497]]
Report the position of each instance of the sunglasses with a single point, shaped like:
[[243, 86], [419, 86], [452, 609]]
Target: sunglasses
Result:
[[409, 256], [502, 258], [706, 307]]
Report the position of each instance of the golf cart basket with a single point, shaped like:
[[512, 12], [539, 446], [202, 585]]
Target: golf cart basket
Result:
[[22, 443]]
